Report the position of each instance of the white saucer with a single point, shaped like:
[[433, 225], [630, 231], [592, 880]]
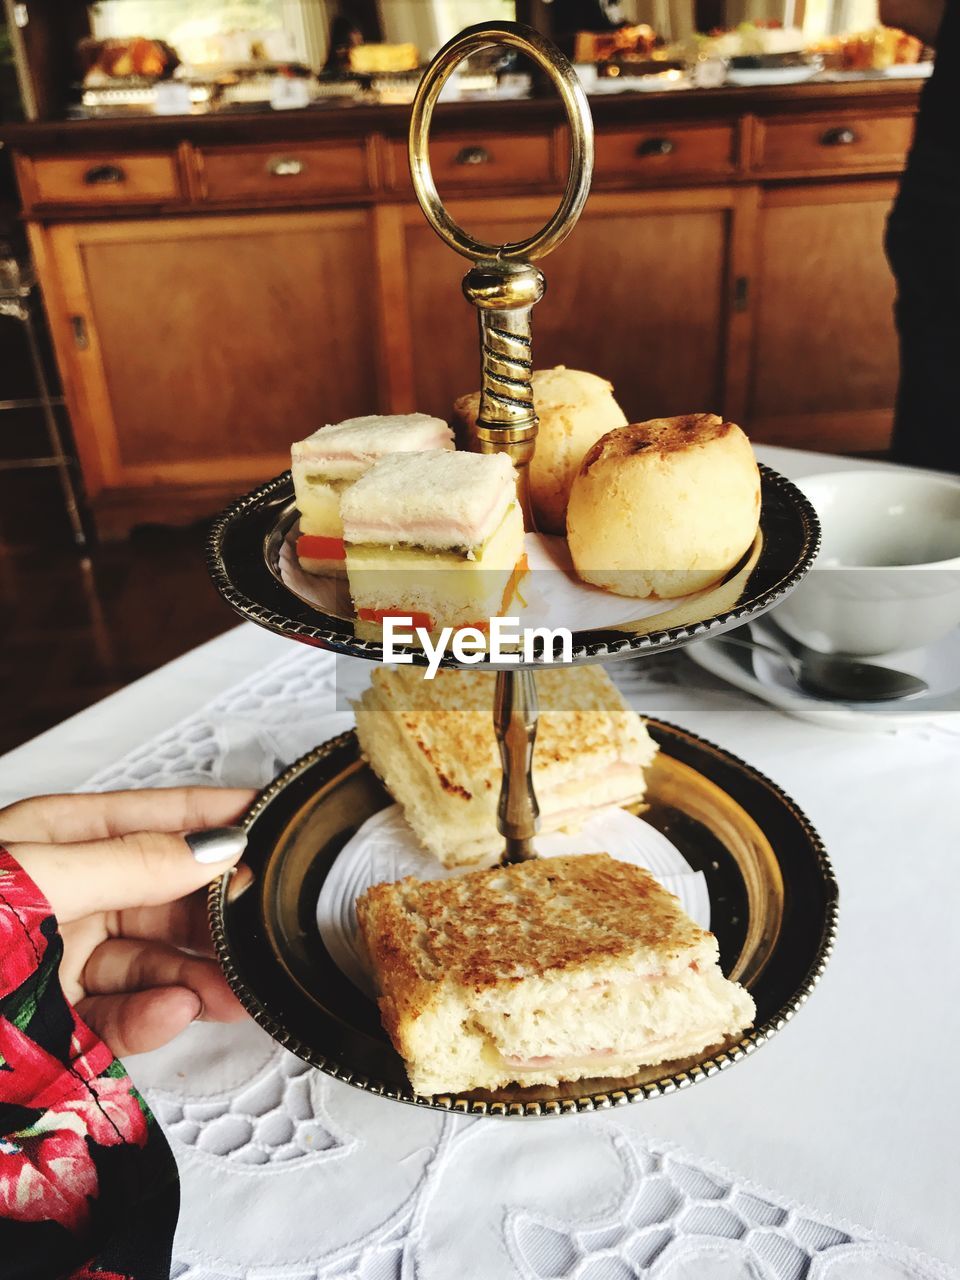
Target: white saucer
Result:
[[938, 664], [909, 71], [762, 77]]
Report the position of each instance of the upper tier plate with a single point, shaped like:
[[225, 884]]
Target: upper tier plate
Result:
[[248, 555]]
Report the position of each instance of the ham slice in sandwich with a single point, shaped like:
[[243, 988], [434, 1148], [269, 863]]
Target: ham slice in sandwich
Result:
[[326, 463], [433, 744], [436, 537]]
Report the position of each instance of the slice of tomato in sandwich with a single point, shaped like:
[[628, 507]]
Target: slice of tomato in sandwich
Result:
[[312, 546], [377, 615]]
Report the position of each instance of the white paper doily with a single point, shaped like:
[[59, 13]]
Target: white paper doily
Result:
[[385, 849]]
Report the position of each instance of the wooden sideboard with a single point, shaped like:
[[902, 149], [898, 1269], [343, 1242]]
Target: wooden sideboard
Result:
[[220, 286]]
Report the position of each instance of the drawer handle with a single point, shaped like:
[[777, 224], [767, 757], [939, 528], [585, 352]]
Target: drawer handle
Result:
[[655, 147], [285, 167], [472, 155], [79, 327], [839, 137], [104, 175]]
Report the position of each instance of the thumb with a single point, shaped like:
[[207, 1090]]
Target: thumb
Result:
[[142, 869]]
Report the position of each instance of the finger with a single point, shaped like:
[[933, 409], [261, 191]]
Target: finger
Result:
[[100, 815], [143, 869], [122, 965], [184, 923], [140, 1020], [80, 938]]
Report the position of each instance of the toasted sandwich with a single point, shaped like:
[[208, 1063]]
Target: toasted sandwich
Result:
[[550, 970], [329, 461], [433, 744], [436, 537]]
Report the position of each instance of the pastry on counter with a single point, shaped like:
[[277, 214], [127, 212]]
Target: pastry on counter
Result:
[[433, 744], [435, 536], [664, 508], [329, 461], [377, 58], [132, 58], [605, 46], [874, 50], [555, 969], [575, 409]]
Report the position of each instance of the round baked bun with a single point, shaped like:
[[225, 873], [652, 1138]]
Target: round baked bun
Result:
[[664, 508], [575, 409]]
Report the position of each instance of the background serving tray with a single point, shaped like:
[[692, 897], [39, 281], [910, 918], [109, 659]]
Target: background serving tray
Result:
[[244, 559], [773, 909]]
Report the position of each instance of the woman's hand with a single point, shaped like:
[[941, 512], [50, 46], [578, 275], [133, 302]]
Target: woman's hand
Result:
[[124, 872]]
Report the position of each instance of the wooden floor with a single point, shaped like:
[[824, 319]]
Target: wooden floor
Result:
[[75, 627]]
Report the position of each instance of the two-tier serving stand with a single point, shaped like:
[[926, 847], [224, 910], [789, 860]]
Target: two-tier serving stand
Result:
[[773, 895]]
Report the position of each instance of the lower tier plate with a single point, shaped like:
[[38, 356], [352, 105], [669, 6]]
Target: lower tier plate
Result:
[[773, 903]]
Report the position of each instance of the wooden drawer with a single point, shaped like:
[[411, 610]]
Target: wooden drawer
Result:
[[465, 162], [129, 178], [833, 143], [664, 150], [285, 173]]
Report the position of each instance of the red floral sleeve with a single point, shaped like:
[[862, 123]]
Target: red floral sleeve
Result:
[[88, 1185]]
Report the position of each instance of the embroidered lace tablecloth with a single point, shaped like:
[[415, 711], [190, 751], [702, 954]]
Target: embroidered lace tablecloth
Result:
[[849, 1112]]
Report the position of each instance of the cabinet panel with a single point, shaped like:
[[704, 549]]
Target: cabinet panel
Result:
[[471, 161], [104, 179], [204, 346], [834, 142], [825, 356], [285, 173], [636, 294], [658, 153]]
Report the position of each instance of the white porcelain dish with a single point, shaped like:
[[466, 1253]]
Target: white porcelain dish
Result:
[[887, 578], [761, 77], [908, 71]]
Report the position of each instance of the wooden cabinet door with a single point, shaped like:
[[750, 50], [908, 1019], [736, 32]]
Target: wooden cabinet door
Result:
[[637, 294], [824, 366], [197, 349]]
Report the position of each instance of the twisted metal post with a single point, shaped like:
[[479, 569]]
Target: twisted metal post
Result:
[[504, 286]]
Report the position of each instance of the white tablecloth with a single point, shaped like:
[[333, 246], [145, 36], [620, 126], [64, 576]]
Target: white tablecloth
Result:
[[831, 1153]]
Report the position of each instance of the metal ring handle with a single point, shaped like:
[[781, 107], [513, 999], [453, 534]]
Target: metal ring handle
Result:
[[471, 40]]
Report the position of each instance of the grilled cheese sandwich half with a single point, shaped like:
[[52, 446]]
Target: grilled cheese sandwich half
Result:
[[550, 970], [433, 744]]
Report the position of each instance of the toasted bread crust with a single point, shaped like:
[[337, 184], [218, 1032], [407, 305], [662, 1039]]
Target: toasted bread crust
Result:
[[658, 436], [449, 722], [533, 920]]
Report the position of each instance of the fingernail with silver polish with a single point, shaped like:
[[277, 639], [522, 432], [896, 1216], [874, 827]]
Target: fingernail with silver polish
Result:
[[216, 844]]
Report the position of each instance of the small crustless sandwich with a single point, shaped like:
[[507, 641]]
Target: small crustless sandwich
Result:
[[434, 536], [333, 458], [433, 744], [556, 969]]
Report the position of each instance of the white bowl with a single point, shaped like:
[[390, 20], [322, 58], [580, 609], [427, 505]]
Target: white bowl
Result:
[[888, 574]]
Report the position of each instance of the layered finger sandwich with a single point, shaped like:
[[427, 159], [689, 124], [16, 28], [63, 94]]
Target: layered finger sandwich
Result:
[[433, 744], [436, 537], [550, 970], [325, 464]]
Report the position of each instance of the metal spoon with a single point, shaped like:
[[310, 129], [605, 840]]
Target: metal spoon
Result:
[[837, 679]]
